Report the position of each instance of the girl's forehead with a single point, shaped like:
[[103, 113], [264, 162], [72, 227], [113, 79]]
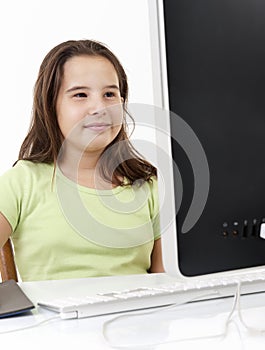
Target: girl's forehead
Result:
[[79, 65], [86, 70], [88, 61]]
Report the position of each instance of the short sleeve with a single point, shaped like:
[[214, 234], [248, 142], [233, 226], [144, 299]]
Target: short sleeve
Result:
[[154, 208], [12, 191]]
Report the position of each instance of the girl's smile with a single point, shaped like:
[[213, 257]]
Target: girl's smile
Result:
[[97, 127]]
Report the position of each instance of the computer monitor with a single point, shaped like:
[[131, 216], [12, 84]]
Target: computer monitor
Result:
[[209, 81]]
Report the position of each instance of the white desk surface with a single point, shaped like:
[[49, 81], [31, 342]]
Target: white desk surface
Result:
[[160, 327]]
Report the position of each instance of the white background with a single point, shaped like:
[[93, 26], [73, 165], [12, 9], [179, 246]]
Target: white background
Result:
[[30, 28]]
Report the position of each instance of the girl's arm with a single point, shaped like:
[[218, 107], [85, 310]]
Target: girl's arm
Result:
[[5, 230], [156, 258]]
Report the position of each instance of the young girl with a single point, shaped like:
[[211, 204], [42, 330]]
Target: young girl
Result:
[[80, 201]]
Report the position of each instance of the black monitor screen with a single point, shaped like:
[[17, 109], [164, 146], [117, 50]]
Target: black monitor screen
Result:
[[215, 52]]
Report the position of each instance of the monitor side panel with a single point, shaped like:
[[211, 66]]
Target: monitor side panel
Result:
[[163, 139]]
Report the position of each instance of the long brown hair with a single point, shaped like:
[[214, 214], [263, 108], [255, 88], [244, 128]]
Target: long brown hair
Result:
[[44, 139]]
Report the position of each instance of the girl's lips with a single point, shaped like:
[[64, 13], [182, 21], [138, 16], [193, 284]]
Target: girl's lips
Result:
[[97, 127]]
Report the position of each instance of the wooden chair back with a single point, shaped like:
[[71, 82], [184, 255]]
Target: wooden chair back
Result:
[[7, 262]]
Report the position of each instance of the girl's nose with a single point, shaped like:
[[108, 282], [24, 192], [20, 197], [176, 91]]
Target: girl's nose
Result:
[[96, 106]]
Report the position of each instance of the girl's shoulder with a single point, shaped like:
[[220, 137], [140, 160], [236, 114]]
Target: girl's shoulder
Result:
[[152, 183], [25, 169], [150, 187], [32, 166]]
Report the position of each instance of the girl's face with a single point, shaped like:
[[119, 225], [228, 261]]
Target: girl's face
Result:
[[89, 104]]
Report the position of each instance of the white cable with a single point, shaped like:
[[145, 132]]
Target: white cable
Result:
[[249, 328], [234, 307], [141, 313], [31, 326]]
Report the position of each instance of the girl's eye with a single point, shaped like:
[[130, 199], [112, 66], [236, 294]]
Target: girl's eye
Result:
[[80, 95], [109, 94]]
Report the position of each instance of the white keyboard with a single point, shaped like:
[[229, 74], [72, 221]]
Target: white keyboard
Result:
[[148, 297]]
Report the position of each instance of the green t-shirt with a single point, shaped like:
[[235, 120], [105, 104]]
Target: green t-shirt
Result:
[[64, 230]]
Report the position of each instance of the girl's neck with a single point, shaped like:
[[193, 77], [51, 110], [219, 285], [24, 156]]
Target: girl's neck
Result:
[[82, 169]]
